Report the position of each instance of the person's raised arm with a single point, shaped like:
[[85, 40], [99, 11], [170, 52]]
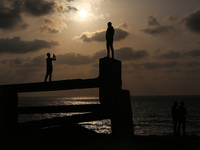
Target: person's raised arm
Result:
[[54, 57]]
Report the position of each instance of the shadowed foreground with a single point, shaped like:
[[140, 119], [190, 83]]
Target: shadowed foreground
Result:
[[75, 137]]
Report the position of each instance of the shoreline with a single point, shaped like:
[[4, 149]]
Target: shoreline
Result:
[[76, 137]]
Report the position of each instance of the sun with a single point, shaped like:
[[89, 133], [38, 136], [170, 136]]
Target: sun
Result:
[[83, 14]]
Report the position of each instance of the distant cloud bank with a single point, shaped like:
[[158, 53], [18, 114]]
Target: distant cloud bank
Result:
[[193, 21], [99, 36], [154, 27], [16, 45]]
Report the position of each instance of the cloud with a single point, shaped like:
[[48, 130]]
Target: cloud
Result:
[[157, 30], [52, 25], [174, 55], [99, 36], [192, 53], [13, 62], [74, 59], [193, 21], [171, 55], [152, 21], [123, 25], [10, 14], [154, 27], [44, 7], [156, 65], [16, 45], [192, 64], [125, 53], [171, 66], [12, 11], [120, 34], [38, 7]]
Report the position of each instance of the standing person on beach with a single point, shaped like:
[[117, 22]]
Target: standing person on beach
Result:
[[182, 117], [109, 39], [49, 66], [175, 117]]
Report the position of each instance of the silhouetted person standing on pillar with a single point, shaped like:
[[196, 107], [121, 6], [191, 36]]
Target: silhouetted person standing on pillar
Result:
[[49, 66], [182, 117], [175, 117], [109, 39]]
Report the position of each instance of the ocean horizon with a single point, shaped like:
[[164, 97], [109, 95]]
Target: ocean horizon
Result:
[[151, 114]]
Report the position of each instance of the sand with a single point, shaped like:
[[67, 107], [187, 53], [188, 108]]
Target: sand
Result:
[[75, 137]]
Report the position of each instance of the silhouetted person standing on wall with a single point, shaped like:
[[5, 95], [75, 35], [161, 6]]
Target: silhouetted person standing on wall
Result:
[[49, 66], [182, 117], [109, 39], [175, 117]]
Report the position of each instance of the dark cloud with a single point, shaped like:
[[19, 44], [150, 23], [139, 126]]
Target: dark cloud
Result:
[[122, 54], [154, 27], [175, 55], [120, 34], [11, 11], [156, 65], [38, 7], [192, 64], [74, 59], [193, 21], [125, 53], [48, 29], [13, 62], [171, 66], [192, 53], [158, 30], [38, 61], [44, 7], [128, 53], [123, 26], [152, 21], [171, 55], [16, 45], [99, 36], [52, 25], [10, 14]]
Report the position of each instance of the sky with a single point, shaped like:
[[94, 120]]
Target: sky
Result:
[[156, 40]]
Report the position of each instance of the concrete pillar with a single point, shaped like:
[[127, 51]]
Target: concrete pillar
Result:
[[122, 122], [115, 101], [8, 110], [110, 80]]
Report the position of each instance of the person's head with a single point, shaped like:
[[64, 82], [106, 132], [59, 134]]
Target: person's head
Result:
[[48, 55], [182, 103], [109, 24], [175, 103]]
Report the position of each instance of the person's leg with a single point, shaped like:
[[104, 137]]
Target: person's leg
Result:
[[112, 50], [108, 51], [179, 126], [175, 127], [50, 77], [184, 128], [45, 79]]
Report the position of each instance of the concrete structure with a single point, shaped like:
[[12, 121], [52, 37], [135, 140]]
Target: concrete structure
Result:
[[115, 102]]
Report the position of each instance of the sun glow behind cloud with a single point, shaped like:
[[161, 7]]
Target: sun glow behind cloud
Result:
[[83, 14], [88, 10]]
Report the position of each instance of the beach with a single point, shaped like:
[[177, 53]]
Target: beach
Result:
[[75, 137], [151, 114], [153, 131]]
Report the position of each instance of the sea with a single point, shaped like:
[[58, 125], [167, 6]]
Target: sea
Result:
[[151, 114]]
